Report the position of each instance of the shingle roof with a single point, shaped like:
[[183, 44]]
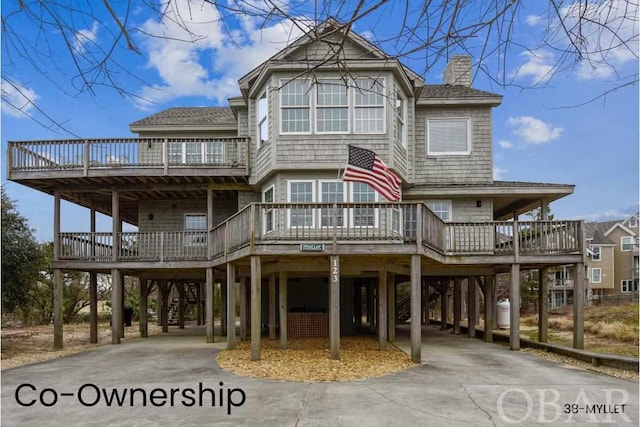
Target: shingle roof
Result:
[[599, 237], [190, 116], [590, 227], [453, 91]]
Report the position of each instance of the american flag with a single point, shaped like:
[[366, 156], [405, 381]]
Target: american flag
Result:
[[365, 166]]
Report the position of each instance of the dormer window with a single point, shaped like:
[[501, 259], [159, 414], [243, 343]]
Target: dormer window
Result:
[[633, 222], [263, 118]]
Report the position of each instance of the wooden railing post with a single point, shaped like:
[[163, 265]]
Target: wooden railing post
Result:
[[165, 155], [516, 242], [335, 228], [252, 235], [419, 226], [85, 159], [161, 246]]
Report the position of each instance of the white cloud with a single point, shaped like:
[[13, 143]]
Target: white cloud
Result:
[[84, 37], [539, 66], [505, 144], [533, 130], [534, 20], [17, 99], [195, 55], [499, 173]]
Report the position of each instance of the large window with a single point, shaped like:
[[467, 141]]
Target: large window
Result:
[[197, 225], [331, 192], [596, 275], [294, 102], [448, 137], [629, 285], [369, 106], [196, 153], [301, 192], [596, 253], [363, 193], [626, 243], [263, 118], [332, 107]]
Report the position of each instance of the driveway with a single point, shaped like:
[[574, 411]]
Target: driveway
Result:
[[173, 380]]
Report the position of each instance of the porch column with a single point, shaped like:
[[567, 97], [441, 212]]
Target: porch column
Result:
[[391, 316], [142, 313], [116, 308], [256, 282], [272, 307], [471, 306], [209, 319], [382, 309], [282, 295], [181, 304], [514, 302], [543, 307], [334, 307], [231, 306], [165, 305], [489, 287], [223, 306], [578, 306], [58, 308], [443, 306], [457, 304], [243, 308], [416, 309], [93, 307]]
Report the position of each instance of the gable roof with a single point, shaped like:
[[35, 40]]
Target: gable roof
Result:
[[218, 117], [599, 238], [590, 228]]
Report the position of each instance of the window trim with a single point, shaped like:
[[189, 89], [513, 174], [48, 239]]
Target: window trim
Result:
[[599, 270], [622, 244], [593, 250], [450, 153], [313, 200], [310, 106]]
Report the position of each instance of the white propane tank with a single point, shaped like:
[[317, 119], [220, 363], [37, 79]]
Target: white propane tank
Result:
[[504, 314]]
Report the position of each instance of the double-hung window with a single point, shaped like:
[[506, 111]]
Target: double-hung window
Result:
[[267, 197], [301, 192], [448, 136], [332, 107], [196, 153], [262, 115], [596, 275], [369, 106], [400, 112], [626, 243], [331, 192], [295, 108], [195, 226], [596, 253]]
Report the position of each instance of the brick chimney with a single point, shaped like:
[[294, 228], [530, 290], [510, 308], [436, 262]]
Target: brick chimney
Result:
[[458, 71]]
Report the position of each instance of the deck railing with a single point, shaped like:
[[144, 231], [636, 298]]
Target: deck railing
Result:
[[368, 223], [127, 153]]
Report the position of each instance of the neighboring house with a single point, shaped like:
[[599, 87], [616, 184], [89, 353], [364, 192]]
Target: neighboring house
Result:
[[252, 191], [613, 265]]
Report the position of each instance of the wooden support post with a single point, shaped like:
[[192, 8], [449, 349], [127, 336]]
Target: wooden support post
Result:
[[391, 316], [93, 307], [199, 304], [231, 306], [416, 309], [382, 310], [158, 302], [489, 291], [357, 301], [116, 308], [282, 294], [58, 308], [334, 306], [443, 306], [514, 335], [457, 304], [181, 304], [142, 312], [56, 225], [224, 287], [122, 297], [578, 306], [476, 311], [272, 307], [543, 307], [471, 306], [165, 305], [243, 308], [370, 308], [209, 318], [115, 225], [256, 285]]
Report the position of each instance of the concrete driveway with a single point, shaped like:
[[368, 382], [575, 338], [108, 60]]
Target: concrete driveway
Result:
[[173, 380]]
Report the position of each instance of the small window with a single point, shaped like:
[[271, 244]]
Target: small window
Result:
[[263, 118], [448, 137], [596, 275], [195, 226], [442, 208], [629, 286], [596, 253], [196, 153], [400, 113], [267, 197], [626, 243], [633, 222]]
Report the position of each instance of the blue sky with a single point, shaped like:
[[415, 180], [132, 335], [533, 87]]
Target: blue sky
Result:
[[539, 133]]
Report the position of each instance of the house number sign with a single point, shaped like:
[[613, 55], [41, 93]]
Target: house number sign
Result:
[[312, 247]]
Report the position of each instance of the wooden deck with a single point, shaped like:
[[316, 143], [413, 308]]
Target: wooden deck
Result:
[[294, 229]]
